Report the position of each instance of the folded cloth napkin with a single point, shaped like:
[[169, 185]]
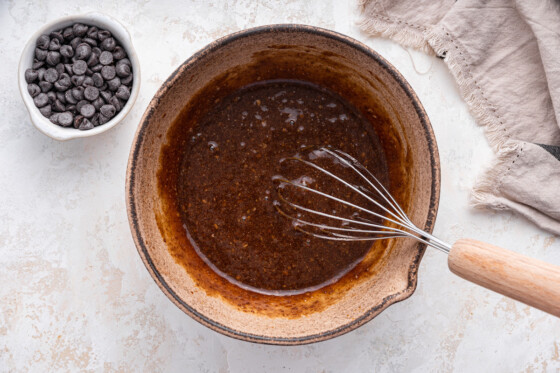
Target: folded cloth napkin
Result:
[[505, 57]]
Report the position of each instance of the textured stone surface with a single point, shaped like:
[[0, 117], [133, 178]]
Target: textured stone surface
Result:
[[74, 295]]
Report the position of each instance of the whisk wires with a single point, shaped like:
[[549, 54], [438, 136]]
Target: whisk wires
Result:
[[353, 228]]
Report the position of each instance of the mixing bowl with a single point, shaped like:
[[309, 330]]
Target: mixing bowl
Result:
[[387, 274]]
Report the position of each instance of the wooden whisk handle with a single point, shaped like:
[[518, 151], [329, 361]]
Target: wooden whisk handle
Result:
[[525, 279]]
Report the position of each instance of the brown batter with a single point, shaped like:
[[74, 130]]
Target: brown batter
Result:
[[225, 188]]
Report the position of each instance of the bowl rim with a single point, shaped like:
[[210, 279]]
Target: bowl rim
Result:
[[98, 19], [133, 162]]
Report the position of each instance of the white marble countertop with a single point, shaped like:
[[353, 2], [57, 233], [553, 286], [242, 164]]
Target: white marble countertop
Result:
[[74, 295]]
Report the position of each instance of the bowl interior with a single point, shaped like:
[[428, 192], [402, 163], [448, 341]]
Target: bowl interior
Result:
[[386, 275], [93, 19]]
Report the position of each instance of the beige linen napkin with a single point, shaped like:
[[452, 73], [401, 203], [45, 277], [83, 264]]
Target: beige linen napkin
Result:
[[505, 57]]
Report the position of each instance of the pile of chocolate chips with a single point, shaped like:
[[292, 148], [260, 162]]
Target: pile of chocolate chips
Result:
[[81, 76]]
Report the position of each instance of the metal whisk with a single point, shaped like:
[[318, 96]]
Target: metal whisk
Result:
[[356, 229], [528, 280]]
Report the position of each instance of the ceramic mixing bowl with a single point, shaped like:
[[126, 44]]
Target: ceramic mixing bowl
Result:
[[387, 274]]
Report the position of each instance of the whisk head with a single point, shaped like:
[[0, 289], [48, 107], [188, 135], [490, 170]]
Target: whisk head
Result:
[[349, 204]]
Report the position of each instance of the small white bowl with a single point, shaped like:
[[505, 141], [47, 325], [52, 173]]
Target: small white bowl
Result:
[[93, 19]]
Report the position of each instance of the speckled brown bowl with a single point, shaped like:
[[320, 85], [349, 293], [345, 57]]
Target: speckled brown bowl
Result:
[[388, 274]]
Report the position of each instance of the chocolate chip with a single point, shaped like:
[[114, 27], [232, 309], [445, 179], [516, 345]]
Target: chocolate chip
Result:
[[71, 108], [41, 100], [54, 118], [45, 86], [114, 84], [98, 103], [33, 90], [83, 51], [79, 29], [69, 97], [75, 42], [106, 58], [103, 119], [87, 81], [123, 93], [108, 44], [92, 32], [58, 106], [119, 53], [106, 95], [59, 68], [79, 67], [43, 42], [77, 80], [51, 75], [51, 97], [46, 111], [63, 83], [125, 61], [61, 97], [31, 75], [91, 93], [97, 80], [108, 72], [41, 54], [41, 73], [68, 69], [53, 58], [97, 51], [87, 110], [78, 120], [85, 125], [68, 34], [127, 80], [54, 45], [108, 110], [97, 68], [93, 60], [80, 104], [65, 119], [37, 64], [57, 35], [89, 72], [64, 76], [116, 103], [103, 34], [90, 41], [78, 93], [123, 70], [67, 51], [95, 120]]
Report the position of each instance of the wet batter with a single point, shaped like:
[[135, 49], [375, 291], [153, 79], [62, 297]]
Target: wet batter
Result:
[[225, 188]]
